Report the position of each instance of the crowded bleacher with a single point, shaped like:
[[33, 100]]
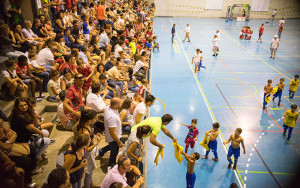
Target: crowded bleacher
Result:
[[91, 60]]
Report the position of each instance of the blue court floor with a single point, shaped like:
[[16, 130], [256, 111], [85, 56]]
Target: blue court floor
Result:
[[229, 91]]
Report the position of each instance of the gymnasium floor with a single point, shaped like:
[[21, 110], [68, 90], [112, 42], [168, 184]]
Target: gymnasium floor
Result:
[[230, 91]]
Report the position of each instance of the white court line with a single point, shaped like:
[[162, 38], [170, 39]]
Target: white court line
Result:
[[210, 113]]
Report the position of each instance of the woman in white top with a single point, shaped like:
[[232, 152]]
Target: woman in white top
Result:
[[32, 38], [125, 115]]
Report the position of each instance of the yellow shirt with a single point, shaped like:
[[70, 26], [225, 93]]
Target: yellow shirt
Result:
[[290, 118], [133, 47], [294, 85]]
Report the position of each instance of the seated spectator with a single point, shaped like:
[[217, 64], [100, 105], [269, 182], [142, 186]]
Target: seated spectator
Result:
[[125, 116], [31, 37], [136, 99], [45, 57], [58, 178], [9, 80], [8, 43], [22, 120], [70, 63], [59, 41], [61, 112], [73, 103], [105, 45], [132, 83], [94, 99], [54, 87], [118, 174], [100, 69], [75, 159], [134, 145], [59, 23], [110, 64], [20, 39], [115, 75], [105, 90], [140, 110], [77, 43], [24, 73], [41, 123], [87, 72], [68, 38], [144, 88], [38, 70], [140, 64], [66, 79], [38, 29], [119, 48]]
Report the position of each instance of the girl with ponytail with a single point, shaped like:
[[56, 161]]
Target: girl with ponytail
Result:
[[75, 159], [82, 127]]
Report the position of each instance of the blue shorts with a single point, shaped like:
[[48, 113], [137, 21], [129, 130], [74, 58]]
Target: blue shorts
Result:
[[233, 151], [278, 94], [190, 180], [213, 145]]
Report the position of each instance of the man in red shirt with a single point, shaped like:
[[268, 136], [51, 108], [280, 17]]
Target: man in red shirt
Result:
[[101, 15], [281, 28], [73, 103], [261, 31]]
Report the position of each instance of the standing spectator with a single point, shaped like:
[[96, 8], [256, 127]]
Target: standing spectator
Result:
[[173, 32], [73, 103], [274, 46], [274, 13], [140, 110], [113, 130], [215, 48], [187, 33], [281, 28], [75, 159], [261, 31]]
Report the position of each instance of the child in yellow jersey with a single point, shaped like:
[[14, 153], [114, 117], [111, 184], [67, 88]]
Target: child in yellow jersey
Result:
[[290, 118], [278, 94], [293, 86]]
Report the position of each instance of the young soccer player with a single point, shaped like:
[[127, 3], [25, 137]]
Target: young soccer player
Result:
[[192, 136], [212, 144], [278, 94], [267, 92], [215, 48], [198, 60], [290, 118], [190, 174], [261, 31], [234, 148], [293, 86]]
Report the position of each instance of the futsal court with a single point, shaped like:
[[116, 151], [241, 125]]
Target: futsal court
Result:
[[229, 91]]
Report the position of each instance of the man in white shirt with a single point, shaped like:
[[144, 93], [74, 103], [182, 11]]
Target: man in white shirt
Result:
[[139, 64], [140, 110], [187, 33], [215, 48], [45, 57], [94, 99], [274, 45], [119, 48], [198, 60], [274, 14], [113, 130], [282, 21]]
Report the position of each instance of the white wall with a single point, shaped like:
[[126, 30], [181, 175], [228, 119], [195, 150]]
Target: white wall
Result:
[[196, 8]]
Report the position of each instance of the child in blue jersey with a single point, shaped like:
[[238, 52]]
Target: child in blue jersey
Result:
[[278, 94], [86, 29], [190, 174], [234, 149], [212, 144]]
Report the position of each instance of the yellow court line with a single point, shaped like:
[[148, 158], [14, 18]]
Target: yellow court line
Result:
[[256, 56], [260, 172], [176, 44], [290, 100], [175, 49], [163, 104], [208, 105], [244, 107]]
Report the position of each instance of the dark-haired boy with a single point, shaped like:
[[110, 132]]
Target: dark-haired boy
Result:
[[267, 92], [190, 174], [290, 119], [278, 94], [293, 86], [234, 149], [212, 144], [192, 136]]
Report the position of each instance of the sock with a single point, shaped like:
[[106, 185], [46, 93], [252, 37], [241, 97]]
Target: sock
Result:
[[207, 152], [235, 162], [230, 161]]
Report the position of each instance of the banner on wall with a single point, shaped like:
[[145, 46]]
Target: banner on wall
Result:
[[260, 5], [214, 4]]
